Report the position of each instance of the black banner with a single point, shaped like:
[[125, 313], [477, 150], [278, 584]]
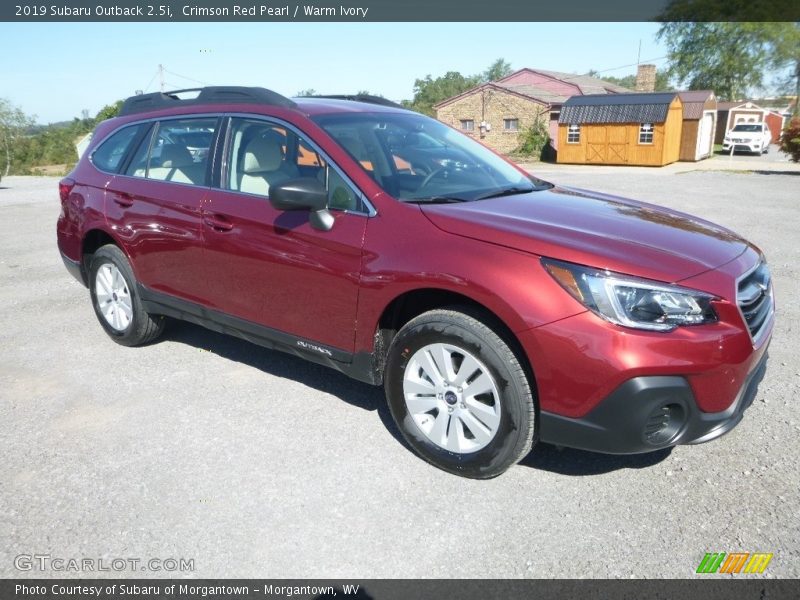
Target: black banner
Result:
[[396, 589], [399, 10]]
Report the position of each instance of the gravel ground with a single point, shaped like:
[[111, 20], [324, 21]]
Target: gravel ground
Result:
[[257, 464]]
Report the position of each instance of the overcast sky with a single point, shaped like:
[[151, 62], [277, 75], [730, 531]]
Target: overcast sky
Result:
[[56, 70]]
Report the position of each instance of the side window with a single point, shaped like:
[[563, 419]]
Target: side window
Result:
[[178, 151], [110, 153], [341, 195], [262, 154]]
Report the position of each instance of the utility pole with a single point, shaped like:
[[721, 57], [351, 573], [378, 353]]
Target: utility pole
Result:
[[161, 77]]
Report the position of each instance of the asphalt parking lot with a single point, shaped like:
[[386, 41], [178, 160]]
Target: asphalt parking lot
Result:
[[257, 464]]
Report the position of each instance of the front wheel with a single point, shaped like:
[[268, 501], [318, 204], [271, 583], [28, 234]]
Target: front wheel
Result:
[[459, 394], [116, 300]]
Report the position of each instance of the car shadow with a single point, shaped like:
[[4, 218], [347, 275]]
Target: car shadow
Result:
[[795, 173], [570, 461], [281, 364], [544, 457]]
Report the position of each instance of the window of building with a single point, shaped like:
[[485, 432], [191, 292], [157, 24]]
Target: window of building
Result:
[[646, 133], [574, 134], [467, 125], [510, 124]]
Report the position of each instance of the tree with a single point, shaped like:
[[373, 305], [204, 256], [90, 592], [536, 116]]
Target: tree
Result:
[[730, 58], [790, 139], [107, 112], [13, 125], [629, 81], [497, 70], [430, 91], [306, 93], [787, 56]]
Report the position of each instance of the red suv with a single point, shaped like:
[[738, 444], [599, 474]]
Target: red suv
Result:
[[496, 309]]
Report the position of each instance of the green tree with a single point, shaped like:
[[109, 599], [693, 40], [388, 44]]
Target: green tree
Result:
[[497, 70], [730, 58], [430, 91], [107, 112], [629, 81], [306, 93], [13, 125], [787, 56]]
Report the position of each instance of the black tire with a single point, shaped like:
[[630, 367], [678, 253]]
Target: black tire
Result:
[[142, 327], [514, 435], [766, 149]]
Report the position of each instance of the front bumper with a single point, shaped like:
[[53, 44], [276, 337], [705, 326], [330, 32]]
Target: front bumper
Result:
[[741, 146], [649, 413]]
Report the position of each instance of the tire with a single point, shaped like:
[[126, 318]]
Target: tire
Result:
[[478, 435], [766, 149], [116, 301]]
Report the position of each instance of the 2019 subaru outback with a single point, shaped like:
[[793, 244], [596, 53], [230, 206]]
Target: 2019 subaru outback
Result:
[[496, 309]]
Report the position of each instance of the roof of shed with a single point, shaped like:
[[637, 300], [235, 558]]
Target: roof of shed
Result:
[[616, 108], [694, 102]]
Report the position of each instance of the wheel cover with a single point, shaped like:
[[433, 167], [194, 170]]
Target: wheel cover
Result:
[[452, 397], [113, 297]]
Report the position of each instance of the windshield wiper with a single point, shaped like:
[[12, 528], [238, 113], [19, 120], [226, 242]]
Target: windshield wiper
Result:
[[436, 200], [509, 191]]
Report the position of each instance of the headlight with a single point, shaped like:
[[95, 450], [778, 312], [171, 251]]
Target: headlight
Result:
[[631, 301]]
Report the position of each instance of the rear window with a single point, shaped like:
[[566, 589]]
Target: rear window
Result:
[[109, 154]]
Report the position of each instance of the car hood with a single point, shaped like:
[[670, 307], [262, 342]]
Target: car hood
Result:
[[594, 229], [750, 135]]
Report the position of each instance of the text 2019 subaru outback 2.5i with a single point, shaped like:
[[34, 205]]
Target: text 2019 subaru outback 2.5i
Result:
[[495, 308]]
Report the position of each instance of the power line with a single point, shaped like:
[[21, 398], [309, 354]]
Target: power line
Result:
[[186, 78]]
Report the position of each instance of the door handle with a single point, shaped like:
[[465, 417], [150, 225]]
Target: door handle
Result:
[[124, 200], [218, 223]]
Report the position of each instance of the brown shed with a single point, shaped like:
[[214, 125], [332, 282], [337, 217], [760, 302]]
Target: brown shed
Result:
[[621, 129], [699, 123]]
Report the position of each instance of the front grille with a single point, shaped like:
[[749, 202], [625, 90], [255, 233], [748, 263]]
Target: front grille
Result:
[[754, 297]]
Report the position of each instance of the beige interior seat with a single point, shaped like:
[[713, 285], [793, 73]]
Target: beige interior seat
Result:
[[178, 165], [263, 166]]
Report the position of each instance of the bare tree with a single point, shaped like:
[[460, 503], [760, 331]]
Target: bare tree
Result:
[[13, 125]]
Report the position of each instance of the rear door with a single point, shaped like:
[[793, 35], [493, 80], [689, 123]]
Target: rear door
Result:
[[154, 206], [270, 267]]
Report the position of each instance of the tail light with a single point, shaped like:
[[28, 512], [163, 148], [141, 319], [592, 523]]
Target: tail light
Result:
[[64, 188]]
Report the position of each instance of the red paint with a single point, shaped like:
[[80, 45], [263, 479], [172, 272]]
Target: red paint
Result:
[[235, 253]]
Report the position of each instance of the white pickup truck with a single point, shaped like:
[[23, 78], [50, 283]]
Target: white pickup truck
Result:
[[748, 137]]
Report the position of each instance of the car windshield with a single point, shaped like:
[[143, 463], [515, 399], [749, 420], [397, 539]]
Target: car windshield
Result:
[[747, 128], [418, 159]]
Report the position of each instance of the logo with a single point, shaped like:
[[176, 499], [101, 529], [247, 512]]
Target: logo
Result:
[[307, 346], [735, 562]]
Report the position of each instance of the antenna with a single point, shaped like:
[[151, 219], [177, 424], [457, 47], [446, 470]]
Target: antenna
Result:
[[639, 54]]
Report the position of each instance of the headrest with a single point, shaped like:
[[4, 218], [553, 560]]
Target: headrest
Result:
[[175, 156], [262, 154]]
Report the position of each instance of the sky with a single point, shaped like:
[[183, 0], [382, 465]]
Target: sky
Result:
[[56, 70]]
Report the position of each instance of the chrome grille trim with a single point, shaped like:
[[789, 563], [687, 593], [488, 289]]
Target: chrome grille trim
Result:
[[754, 298]]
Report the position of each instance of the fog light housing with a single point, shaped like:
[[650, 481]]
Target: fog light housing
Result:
[[664, 424]]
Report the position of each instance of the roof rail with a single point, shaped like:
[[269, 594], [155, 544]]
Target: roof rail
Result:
[[204, 95], [368, 98]]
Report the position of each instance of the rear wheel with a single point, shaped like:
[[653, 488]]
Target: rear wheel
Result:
[[459, 394], [116, 301]]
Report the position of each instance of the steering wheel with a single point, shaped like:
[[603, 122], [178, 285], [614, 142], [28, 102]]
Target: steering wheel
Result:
[[429, 177]]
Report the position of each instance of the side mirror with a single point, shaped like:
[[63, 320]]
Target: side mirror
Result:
[[305, 193]]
